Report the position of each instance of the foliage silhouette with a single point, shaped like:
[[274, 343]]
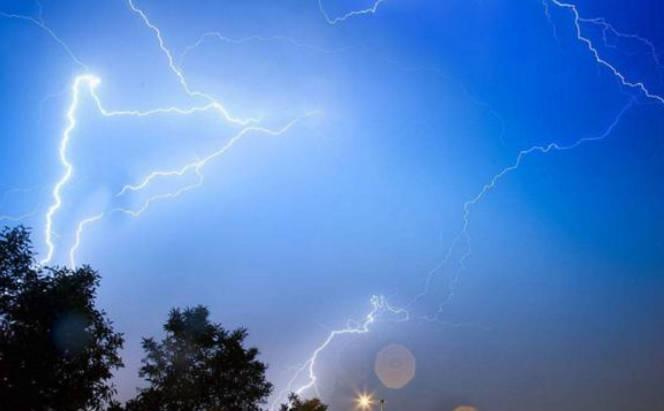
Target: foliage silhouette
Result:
[[200, 366], [297, 404], [57, 350]]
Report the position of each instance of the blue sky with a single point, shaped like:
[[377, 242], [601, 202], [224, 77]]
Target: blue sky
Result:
[[552, 291]]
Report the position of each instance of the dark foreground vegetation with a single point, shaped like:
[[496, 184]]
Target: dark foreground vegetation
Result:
[[58, 351]]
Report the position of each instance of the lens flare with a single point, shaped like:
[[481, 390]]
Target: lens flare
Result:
[[364, 401]]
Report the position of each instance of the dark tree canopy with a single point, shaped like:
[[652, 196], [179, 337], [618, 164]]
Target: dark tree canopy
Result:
[[297, 404], [57, 350], [200, 366]]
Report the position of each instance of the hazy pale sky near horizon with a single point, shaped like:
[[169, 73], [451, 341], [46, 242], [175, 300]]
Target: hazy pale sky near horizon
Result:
[[490, 168]]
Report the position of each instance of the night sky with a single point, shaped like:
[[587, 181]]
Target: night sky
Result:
[[489, 171]]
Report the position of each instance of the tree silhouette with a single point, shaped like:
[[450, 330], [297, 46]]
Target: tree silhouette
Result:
[[200, 366], [57, 350], [296, 404]]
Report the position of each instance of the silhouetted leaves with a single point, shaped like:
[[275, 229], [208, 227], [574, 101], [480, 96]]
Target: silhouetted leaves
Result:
[[200, 366], [297, 404], [57, 350]]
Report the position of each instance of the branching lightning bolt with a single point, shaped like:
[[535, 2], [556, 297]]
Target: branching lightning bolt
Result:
[[578, 20], [178, 73], [200, 164], [196, 167], [468, 205], [369, 10], [379, 307], [490, 186], [92, 82]]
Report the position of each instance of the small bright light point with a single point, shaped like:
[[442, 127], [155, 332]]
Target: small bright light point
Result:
[[364, 401]]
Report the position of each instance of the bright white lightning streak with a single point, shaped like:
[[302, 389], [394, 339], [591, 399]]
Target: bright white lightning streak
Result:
[[79, 233], [198, 165], [379, 305], [606, 27], [578, 20], [195, 167], [166, 196], [178, 73], [369, 10], [92, 82], [363, 327]]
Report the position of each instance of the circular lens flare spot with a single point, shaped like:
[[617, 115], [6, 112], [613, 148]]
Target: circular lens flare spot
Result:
[[395, 366]]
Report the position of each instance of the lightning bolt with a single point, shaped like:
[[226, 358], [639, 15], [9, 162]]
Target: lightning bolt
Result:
[[369, 10], [195, 167], [379, 307], [40, 23], [468, 206], [178, 72], [608, 28], [79, 233], [578, 21], [463, 236], [200, 164], [91, 82], [491, 185]]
